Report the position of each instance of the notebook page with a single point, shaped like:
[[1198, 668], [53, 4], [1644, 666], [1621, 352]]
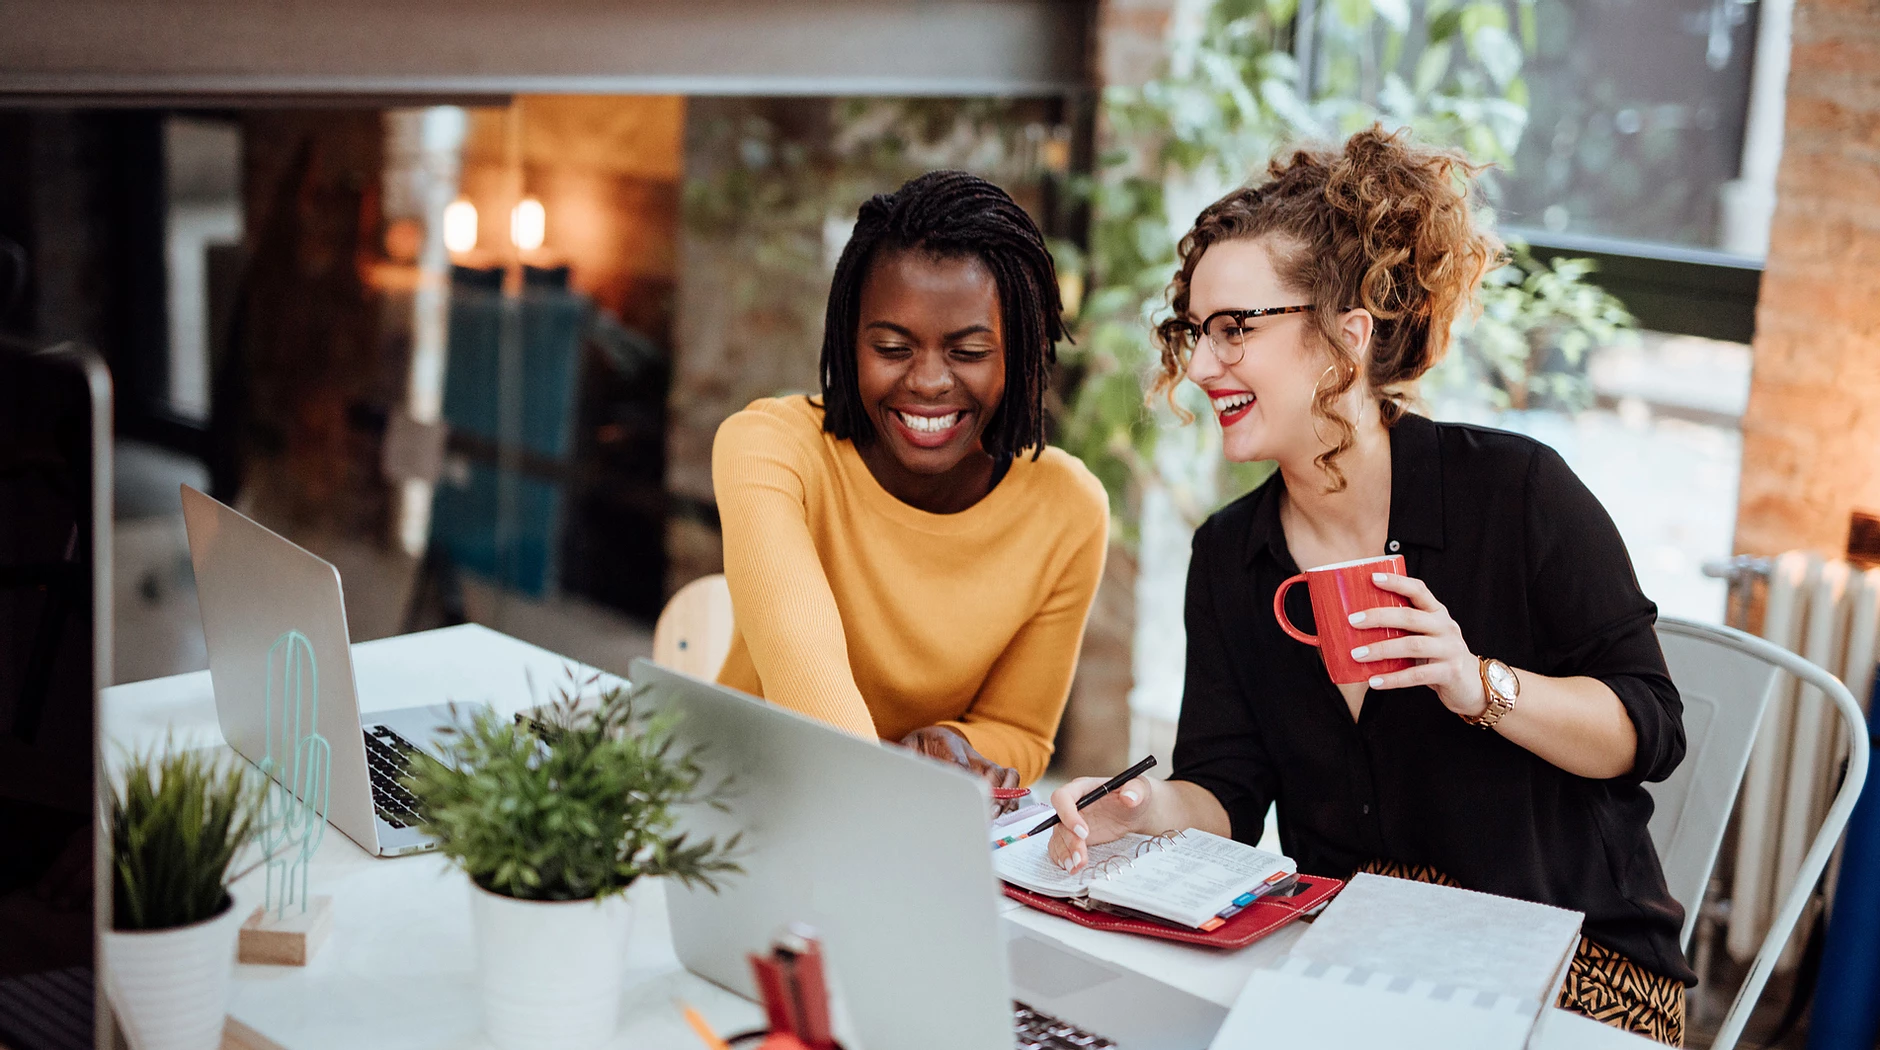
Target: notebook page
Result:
[[1191, 879], [1442, 933], [1027, 864], [1295, 1002]]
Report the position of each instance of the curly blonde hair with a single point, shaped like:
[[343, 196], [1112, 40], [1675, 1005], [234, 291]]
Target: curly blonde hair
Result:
[[1380, 224]]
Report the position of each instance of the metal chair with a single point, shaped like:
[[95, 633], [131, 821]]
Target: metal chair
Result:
[[694, 631], [1727, 679]]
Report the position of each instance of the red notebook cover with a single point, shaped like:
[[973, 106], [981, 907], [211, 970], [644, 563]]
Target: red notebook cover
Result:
[[1254, 922]]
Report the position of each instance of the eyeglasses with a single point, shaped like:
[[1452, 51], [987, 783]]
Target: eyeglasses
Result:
[[1228, 333]]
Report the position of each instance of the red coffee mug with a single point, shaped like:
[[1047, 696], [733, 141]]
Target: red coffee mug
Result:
[[1338, 591]]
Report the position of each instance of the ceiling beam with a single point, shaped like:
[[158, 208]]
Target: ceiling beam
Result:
[[69, 50]]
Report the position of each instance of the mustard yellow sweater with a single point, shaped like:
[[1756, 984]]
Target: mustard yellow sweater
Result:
[[880, 618]]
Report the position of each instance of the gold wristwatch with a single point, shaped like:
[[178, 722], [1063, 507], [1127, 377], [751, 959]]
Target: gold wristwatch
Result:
[[1502, 687]]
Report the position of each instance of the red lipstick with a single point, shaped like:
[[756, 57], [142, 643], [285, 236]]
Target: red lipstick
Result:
[[1235, 415]]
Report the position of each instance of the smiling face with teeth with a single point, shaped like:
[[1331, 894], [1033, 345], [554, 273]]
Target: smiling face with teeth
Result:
[[930, 368], [1264, 401]]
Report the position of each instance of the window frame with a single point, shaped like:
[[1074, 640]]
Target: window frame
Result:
[[1669, 288]]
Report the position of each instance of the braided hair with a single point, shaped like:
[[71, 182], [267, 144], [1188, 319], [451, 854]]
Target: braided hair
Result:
[[951, 214]]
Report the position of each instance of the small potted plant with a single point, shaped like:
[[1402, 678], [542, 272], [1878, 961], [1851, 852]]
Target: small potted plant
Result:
[[178, 822], [553, 818]]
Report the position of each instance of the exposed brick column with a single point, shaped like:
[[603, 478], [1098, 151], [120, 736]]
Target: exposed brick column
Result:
[[743, 329], [1131, 40], [1811, 434], [1094, 736]]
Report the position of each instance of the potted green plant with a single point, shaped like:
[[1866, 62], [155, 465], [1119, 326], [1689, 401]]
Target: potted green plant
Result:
[[179, 819], [553, 818]]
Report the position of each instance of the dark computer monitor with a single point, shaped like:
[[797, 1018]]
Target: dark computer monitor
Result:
[[55, 654]]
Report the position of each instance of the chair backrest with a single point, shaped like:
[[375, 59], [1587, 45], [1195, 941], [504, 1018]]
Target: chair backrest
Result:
[[1725, 687], [694, 631], [1727, 679]]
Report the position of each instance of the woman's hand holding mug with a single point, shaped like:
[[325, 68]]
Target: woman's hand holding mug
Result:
[[1431, 636], [1110, 817], [1337, 591]]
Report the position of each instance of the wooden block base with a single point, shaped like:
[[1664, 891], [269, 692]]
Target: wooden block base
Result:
[[238, 1036], [289, 940]]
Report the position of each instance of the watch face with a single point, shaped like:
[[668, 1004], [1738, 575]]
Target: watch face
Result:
[[1503, 679]]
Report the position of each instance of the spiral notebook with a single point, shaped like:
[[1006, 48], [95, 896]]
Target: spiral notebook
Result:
[[1192, 878]]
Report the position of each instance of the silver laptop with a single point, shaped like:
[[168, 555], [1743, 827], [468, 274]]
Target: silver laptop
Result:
[[886, 855], [254, 586]]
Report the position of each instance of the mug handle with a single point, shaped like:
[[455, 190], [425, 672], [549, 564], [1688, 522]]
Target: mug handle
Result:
[[1279, 613]]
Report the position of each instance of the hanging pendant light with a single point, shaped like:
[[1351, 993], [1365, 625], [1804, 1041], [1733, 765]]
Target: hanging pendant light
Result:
[[460, 226], [528, 224]]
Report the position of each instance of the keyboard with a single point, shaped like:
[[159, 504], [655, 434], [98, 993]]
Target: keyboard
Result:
[[1036, 1030], [386, 764]]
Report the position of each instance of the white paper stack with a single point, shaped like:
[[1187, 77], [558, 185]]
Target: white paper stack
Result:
[[1410, 965]]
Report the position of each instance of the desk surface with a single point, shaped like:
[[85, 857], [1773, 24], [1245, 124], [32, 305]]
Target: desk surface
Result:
[[398, 971]]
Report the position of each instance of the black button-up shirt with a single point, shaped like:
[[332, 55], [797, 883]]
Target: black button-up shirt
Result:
[[1534, 572]]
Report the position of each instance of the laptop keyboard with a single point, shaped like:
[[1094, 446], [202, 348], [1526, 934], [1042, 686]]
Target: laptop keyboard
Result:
[[1037, 1030], [385, 762]]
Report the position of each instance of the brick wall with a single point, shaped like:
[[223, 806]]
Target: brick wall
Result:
[[1094, 737], [1811, 434], [1131, 38], [748, 308]]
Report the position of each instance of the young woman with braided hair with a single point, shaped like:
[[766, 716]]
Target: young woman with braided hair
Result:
[[1510, 757], [907, 559]]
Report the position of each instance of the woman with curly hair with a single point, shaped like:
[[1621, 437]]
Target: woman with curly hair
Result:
[[1510, 756]]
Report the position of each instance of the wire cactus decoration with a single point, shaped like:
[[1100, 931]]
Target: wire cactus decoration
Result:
[[300, 760]]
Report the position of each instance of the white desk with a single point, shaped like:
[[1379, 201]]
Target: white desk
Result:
[[398, 971]]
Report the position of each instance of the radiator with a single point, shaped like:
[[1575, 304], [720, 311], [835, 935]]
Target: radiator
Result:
[[1829, 613]]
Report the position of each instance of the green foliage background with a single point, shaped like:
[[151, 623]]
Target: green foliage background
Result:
[[1232, 96]]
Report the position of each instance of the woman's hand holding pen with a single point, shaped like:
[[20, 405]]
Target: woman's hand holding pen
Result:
[[1110, 817]]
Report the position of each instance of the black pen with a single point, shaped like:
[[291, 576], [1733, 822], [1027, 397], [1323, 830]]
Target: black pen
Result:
[[1095, 793]]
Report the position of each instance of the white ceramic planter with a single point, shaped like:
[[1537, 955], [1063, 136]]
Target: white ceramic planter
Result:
[[551, 971], [170, 987]]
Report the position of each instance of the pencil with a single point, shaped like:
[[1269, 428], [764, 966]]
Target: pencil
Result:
[[699, 1025]]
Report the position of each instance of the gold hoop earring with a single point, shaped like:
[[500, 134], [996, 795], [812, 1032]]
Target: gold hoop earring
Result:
[[1321, 382], [1312, 402]]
